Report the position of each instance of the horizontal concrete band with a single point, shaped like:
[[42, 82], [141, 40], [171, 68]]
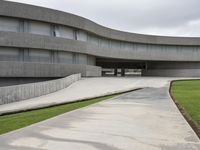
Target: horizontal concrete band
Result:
[[172, 72], [24, 11], [31, 69], [142, 52], [26, 91]]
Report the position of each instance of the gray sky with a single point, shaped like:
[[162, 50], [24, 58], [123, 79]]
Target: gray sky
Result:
[[158, 17]]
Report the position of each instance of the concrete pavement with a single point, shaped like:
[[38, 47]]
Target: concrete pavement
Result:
[[146, 119], [83, 89]]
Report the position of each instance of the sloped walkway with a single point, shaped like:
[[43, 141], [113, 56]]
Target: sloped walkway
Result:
[[146, 119], [83, 89]]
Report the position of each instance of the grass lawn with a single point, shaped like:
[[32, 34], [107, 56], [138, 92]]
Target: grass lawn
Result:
[[19, 120], [187, 94]]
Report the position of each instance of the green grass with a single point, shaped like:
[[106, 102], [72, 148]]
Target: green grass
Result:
[[15, 121], [187, 94]]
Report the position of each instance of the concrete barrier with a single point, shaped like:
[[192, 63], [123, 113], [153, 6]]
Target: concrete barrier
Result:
[[16, 93]]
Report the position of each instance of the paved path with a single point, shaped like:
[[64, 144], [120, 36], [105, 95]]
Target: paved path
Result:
[[146, 119], [84, 89]]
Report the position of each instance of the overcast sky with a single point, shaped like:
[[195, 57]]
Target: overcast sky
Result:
[[158, 17]]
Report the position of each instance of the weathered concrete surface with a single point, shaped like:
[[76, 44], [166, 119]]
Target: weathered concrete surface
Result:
[[146, 119], [11, 94], [57, 17], [35, 69], [84, 89], [52, 33]]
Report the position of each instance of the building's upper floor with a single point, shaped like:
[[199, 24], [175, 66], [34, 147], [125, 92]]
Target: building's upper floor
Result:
[[27, 26], [39, 20]]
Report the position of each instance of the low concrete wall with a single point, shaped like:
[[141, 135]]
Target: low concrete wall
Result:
[[93, 71], [16, 93]]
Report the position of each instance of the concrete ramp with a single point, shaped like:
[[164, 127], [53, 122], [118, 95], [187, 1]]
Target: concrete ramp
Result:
[[145, 119], [84, 89]]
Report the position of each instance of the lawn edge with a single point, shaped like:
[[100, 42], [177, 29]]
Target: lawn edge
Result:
[[51, 118], [63, 103], [182, 110]]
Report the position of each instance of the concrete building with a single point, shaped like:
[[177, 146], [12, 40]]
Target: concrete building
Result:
[[37, 42]]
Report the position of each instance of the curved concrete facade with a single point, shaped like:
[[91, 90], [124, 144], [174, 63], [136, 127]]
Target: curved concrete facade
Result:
[[41, 42]]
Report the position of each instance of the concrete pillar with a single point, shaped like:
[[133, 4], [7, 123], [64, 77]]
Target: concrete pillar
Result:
[[103, 73], [115, 71], [122, 72]]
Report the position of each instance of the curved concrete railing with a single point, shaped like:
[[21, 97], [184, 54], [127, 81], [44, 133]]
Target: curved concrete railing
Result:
[[16, 93]]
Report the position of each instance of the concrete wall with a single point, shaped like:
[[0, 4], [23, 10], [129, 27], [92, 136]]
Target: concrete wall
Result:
[[30, 12], [56, 39], [92, 71], [32, 69], [172, 69], [94, 44], [16, 93], [6, 81], [138, 51], [44, 56], [172, 72], [172, 65]]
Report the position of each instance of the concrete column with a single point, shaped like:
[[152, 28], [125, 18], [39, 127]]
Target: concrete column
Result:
[[122, 72], [26, 56], [21, 54], [103, 73], [115, 71]]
